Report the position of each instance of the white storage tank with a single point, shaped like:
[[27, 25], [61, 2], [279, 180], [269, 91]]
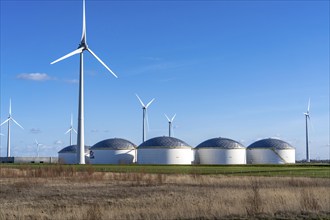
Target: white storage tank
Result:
[[164, 150], [113, 151], [68, 155], [221, 151], [270, 151]]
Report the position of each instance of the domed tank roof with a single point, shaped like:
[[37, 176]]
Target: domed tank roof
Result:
[[114, 144], [271, 143], [72, 149], [164, 142], [223, 143]]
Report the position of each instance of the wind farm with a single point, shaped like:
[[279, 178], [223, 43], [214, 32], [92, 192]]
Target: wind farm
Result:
[[233, 78], [216, 119]]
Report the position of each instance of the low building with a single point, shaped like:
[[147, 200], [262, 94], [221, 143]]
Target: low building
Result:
[[220, 151], [28, 159], [164, 150], [68, 155], [113, 151], [270, 151]]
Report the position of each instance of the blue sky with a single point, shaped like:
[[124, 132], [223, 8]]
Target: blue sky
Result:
[[237, 69]]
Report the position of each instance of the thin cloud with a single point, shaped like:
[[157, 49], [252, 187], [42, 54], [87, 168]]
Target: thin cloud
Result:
[[58, 142], [71, 81], [34, 76], [35, 130]]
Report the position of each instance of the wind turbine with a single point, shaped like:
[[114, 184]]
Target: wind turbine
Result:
[[70, 130], [36, 142], [306, 119], [145, 116], [170, 124], [9, 119], [81, 48]]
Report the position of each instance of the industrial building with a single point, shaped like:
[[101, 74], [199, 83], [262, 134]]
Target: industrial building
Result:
[[270, 151], [68, 155], [220, 151], [113, 151], [164, 150], [28, 160]]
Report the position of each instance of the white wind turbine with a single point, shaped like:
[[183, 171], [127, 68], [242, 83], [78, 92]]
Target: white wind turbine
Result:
[[145, 117], [81, 48], [38, 145], [9, 119], [306, 119], [70, 130], [170, 124]]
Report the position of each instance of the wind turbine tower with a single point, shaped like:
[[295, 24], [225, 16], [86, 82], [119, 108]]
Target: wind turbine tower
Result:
[[306, 120], [9, 119], [145, 117], [81, 48], [170, 124], [70, 130], [38, 145]]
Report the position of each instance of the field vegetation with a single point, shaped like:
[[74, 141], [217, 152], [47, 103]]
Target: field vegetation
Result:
[[97, 192]]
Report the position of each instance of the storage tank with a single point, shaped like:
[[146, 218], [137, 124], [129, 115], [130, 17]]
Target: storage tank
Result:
[[113, 151], [164, 150], [68, 155], [221, 151], [270, 151]]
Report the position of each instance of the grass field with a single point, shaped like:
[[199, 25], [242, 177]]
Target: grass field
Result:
[[295, 170], [44, 191]]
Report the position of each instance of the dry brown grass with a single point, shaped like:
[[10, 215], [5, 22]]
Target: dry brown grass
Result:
[[65, 193]]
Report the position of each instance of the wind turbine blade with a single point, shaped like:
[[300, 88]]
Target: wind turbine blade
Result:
[[310, 124], [2, 134], [102, 62], [35, 140], [68, 131], [79, 50], [140, 100], [71, 121], [16, 123], [167, 118], [5, 121], [173, 118], [83, 36], [149, 103], [9, 107], [75, 130], [309, 105]]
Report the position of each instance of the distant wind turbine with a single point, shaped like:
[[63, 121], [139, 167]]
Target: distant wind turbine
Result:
[[38, 145], [145, 117], [81, 48], [9, 119], [306, 120], [170, 124], [70, 130]]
